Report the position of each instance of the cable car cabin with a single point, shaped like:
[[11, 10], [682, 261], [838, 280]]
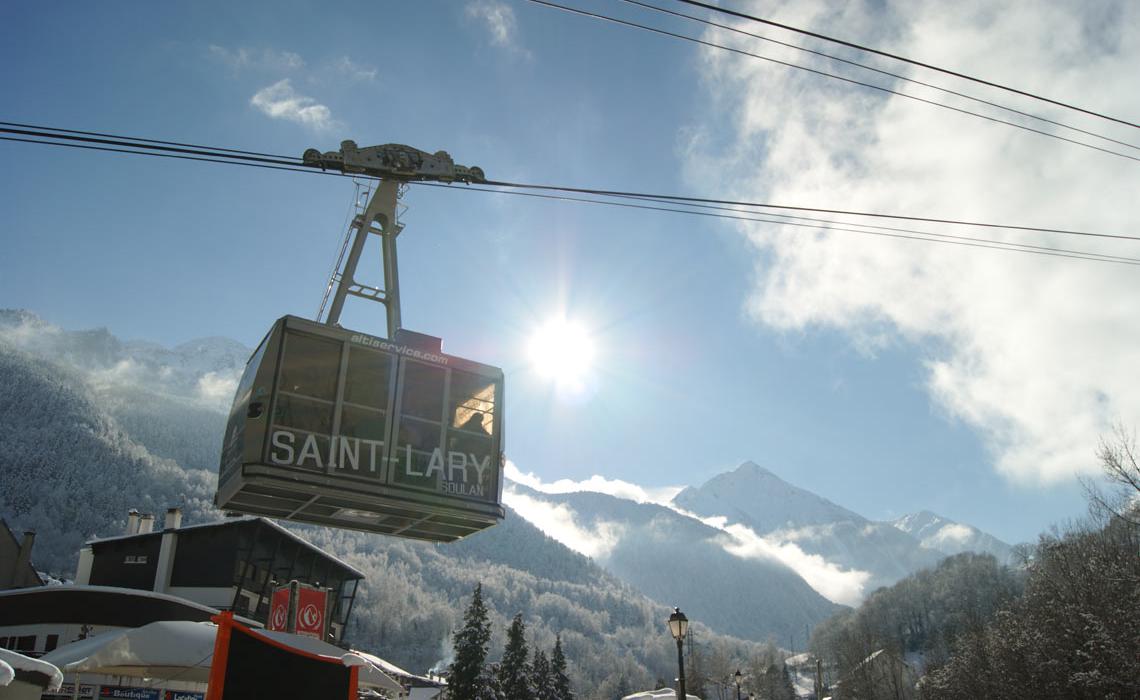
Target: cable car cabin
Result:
[[339, 428]]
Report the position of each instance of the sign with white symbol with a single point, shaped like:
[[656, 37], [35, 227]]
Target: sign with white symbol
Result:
[[279, 610], [311, 604]]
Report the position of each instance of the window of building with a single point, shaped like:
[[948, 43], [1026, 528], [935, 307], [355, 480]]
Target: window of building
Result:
[[51, 643], [26, 643]]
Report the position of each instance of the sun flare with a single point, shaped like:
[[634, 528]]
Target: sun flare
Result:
[[562, 350]]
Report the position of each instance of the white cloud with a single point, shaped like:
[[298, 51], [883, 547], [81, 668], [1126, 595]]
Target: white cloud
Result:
[[281, 101], [217, 388], [598, 484], [499, 20], [558, 521], [242, 57], [955, 534], [1038, 354], [355, 71]]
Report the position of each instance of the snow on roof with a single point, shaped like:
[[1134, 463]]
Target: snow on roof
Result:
[[240, 520], [659, 694], [394, 670], [18, 662]]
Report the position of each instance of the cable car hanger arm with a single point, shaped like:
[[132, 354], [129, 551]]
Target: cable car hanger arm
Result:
[[394, 161]]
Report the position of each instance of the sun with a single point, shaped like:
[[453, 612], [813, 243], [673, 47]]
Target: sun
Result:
[[563, 351]]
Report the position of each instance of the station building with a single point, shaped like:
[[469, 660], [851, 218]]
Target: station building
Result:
[[177, 573], [232, 564]]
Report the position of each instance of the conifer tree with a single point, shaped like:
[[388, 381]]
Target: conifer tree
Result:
[[559, 681], [464, 678], [514, 671], [540, 676]]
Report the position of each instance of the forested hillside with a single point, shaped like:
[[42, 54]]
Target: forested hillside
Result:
[[69, 471], [672, 557], [1067, 625]]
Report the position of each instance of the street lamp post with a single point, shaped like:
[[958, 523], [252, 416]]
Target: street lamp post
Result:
[[737, 677], [679, 627]]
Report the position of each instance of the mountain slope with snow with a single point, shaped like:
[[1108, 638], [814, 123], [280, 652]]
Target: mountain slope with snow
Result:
[[678, 559], [950, 537], [755, 497]]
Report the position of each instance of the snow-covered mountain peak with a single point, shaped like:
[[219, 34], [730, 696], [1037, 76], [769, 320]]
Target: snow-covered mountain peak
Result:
[[755, 496]]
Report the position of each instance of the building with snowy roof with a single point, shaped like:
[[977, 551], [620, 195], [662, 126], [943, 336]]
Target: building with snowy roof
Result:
[[233, 564]]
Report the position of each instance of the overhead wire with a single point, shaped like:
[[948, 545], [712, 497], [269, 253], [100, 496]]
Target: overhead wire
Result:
[[834, 76], [204, 153], [286, 163], [928, 236], [880, 71], [913, 62], [846, 212]]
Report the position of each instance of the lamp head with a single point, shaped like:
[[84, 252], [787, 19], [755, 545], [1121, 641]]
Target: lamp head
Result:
[[678, 624]]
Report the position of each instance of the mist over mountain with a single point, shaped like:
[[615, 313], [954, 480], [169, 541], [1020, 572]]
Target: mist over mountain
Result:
[[758, 499], [949, 537], [673, 557]]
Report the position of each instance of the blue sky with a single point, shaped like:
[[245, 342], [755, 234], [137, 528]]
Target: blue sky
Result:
[[888, 376]]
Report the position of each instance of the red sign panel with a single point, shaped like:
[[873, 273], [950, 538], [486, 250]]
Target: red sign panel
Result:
[[279, 611], [311, 612]]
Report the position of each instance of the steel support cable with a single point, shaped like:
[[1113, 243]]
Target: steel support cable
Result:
[[221, 157], [742, 52], [929, 236], [282, 163], [19, 125], [138, 143], [981, 243], [946, 71], [880, 71], [846, 212]]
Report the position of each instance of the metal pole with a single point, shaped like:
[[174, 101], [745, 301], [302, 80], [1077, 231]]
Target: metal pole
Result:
[[681, 670]]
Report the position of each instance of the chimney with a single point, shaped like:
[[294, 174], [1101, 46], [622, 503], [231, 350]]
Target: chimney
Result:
[[146, 524], [132, 522], [167, 550]]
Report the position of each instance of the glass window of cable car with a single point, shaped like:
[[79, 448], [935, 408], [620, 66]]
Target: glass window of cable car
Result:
[[243, 408], [417, 458], [364, 410], [303, 413], [471, 405]]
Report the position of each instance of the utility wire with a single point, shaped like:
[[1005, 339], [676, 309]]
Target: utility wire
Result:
[[208, 154], [19, 125], [204, 153], [846, 212], [867, 49], [864, 66], [742, 52], [925, 235], [929, 236]]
